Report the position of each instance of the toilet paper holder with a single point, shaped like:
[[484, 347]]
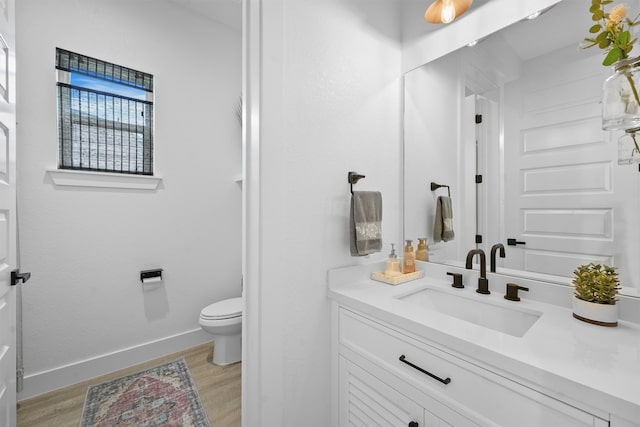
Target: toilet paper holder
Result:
[[154, 275]]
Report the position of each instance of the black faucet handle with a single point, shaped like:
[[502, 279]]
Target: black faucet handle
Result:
[[457, 280], [512, 291], [483, 286]]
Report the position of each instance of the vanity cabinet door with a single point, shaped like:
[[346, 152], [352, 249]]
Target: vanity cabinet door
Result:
[[365, 401]]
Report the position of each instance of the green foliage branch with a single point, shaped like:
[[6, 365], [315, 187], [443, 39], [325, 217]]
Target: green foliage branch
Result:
[[611, 31]]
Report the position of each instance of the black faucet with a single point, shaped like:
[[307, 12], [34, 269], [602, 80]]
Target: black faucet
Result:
[[494, 248], [483, 283]]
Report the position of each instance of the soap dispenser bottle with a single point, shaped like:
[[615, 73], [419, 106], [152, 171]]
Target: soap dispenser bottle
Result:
[[392, 268], [422, 253], [409, 259]]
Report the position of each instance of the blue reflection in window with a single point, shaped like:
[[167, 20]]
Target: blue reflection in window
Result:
[[115, 88]]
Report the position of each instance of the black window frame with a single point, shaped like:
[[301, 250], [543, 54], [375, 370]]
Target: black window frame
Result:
[[100, 130]]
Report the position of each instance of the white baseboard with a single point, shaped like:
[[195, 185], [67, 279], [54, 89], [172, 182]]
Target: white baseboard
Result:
[[63, 376]]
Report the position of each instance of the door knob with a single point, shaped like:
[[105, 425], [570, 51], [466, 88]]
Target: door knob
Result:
[[414, 424], [16, 277], [513, 242]]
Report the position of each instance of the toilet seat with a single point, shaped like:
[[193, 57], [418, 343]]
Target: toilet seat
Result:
[[225, 309]]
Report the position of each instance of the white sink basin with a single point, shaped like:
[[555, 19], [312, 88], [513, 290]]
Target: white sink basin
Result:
[[512, 321]]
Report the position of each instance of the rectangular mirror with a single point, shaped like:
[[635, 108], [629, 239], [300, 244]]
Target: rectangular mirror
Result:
[[520, 111]]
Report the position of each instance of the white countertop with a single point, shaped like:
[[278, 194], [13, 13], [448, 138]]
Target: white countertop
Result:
[[563, 357]]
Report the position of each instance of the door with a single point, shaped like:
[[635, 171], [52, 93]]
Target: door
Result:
[[7, 214], [560, 169]]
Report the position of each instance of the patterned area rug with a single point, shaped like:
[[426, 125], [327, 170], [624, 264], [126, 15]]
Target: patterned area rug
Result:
[[161, 396]]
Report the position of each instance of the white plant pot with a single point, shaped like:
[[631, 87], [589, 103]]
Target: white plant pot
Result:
[[598, 314]]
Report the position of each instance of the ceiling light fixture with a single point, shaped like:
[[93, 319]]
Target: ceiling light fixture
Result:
[[534, 15], [539, 13], [445, 11], [476, 41]]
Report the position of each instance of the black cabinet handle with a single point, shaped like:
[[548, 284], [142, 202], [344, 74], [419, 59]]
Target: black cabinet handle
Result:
[[514, 242], [403, 359], [414, 424]]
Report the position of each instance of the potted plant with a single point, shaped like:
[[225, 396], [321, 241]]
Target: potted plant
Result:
[[595, 294]]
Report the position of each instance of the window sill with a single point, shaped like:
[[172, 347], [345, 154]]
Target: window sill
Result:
[[71, 178]]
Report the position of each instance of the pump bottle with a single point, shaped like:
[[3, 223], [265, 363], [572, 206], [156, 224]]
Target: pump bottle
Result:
[[422, 253], [392, 267], [409, 259]]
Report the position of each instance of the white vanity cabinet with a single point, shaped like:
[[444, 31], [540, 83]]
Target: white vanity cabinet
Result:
[[430, 386]]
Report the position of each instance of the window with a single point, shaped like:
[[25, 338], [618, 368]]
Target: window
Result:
[[105, 116]]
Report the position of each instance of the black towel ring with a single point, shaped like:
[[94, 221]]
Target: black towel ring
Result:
[[352, 178], [435, 186]]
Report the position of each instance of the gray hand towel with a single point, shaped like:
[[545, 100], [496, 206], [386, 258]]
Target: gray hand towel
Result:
[[365, 223], [443, 225]]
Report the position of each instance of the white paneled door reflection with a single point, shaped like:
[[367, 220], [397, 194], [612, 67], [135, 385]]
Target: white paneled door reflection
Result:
[[560, 170]]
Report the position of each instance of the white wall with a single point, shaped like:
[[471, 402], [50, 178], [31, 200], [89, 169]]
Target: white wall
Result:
[[331, 103], [84, 304]]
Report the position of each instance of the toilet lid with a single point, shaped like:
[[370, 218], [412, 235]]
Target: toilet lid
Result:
[[224, 309]]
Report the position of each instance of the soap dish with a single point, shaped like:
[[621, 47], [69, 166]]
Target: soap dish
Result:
[[379, 276]]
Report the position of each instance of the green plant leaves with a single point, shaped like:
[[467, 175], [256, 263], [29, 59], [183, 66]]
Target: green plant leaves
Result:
[[602, 37], [623, 38], [612, 36], [604, 44], [613, 56], [596, 283]]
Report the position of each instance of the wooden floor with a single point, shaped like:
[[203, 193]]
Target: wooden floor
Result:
[[218, 386]]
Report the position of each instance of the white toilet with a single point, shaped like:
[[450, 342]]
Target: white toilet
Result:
[[223, 320]]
